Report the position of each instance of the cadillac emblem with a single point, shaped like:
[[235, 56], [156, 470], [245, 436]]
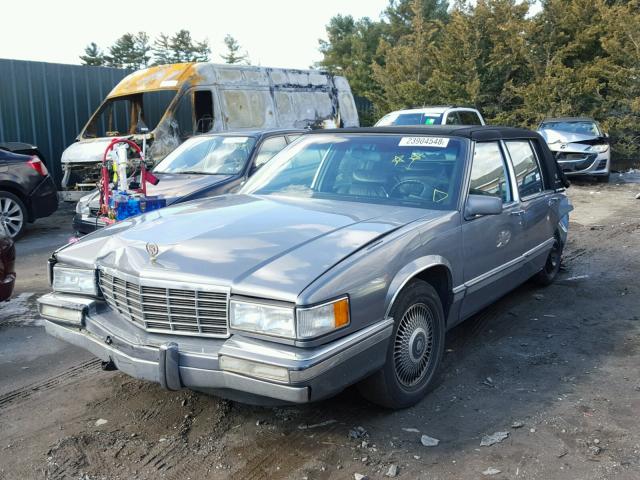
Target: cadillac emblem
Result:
[[152, 250]]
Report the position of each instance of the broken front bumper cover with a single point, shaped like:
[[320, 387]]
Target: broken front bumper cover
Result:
[[203, 363]]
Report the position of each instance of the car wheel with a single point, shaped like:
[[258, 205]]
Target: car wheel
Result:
[[415, 349], [13, 214], [603, 178], [548, 274]]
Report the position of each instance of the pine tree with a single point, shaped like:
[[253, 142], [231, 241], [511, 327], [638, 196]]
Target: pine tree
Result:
[[233, 54], [162, 53], [130, 51], [93, 56]]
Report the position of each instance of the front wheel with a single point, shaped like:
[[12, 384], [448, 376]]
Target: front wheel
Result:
[[415, 349]]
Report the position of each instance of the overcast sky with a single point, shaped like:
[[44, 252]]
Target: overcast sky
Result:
[[276, 33]]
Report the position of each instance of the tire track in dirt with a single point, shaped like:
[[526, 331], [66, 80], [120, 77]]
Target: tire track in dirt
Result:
[[261, 466], [78, 371]]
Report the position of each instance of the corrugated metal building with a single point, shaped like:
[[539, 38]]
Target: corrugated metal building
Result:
[[47, 104]]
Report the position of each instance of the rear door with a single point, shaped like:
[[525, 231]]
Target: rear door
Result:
[[538, 202], [491, 243]]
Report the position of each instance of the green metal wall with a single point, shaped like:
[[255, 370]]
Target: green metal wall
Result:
[[47, 104]]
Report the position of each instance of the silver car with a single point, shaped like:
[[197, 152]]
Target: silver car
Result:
[[344, 260], [580, 145]]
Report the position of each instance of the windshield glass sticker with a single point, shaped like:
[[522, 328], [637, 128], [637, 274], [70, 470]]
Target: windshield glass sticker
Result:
[[429, 120], [439, 142], [398, 159], [234, 140], [439, 195]]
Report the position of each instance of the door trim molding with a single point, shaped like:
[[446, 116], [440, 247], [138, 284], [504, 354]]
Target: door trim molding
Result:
[[474, 282]]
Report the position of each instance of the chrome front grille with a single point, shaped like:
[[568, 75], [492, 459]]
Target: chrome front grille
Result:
[[157, 307]]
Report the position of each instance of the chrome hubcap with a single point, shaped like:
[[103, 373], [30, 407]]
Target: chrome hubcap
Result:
[[413, 345], [11, 216]]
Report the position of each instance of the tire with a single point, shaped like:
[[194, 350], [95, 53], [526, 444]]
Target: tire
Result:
[[603, 178], [13, 214], [410, 368], [549, 272]]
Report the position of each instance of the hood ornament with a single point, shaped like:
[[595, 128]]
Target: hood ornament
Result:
[[153, 250]]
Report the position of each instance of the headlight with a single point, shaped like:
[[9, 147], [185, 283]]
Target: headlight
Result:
[[74, 280], [600, 148], [281, 321], [82, 207], [321, 319], [262, 318]]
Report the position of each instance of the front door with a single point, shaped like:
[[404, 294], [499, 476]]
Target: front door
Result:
[[492, 243]]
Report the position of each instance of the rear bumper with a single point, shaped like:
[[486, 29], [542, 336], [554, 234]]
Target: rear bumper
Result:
[[192, 362], [43, 201]]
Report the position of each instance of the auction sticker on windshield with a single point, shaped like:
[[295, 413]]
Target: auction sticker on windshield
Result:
[[439, 142]]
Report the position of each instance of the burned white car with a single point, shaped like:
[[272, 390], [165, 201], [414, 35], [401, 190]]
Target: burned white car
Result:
[[343, 261]]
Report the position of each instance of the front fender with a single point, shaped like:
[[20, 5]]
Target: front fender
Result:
[[409, 271]]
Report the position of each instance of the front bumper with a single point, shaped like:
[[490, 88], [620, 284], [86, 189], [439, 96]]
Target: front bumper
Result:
[[581, 163], [192, 362], [86, 223]]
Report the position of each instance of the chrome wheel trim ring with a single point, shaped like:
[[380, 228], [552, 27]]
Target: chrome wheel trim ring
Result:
[[11, 216], [413, 345]]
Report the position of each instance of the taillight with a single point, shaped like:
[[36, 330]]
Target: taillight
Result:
[[38, 166]]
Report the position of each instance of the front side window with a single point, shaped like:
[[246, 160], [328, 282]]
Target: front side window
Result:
[[489, 172], [268, 149], [209, 155], [420, 171], [469, 118], [525, 166]]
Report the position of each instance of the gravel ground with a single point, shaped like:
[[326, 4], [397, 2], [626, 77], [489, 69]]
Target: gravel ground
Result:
[[553, 372]]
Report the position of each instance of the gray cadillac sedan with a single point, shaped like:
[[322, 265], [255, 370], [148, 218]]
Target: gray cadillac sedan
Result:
[[344, 260]]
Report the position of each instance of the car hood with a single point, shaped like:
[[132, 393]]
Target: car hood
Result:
[[172, 186], [86, 151], [261, 246], [571, 141]]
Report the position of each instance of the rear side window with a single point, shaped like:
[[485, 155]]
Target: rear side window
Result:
[[526, 168], [453, 119], [469, 118], [489, 172]]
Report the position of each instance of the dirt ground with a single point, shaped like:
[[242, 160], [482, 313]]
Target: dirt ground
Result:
[[557, 369]]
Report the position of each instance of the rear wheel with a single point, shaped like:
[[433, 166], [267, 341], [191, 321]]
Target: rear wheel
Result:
[[414, 352], [13, 214], [548, 274]]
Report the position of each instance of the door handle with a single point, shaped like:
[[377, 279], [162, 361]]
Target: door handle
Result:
[[517, 213], [553, 201]]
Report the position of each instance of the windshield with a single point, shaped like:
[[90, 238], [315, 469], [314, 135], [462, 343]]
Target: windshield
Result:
[[415, 118], [581, 127], [421, 171], [126, 115], [210, 155]]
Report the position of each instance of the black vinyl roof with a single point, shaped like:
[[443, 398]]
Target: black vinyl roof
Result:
[[475, 132]]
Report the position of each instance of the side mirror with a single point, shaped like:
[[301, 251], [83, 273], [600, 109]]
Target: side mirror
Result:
[[482, 205]]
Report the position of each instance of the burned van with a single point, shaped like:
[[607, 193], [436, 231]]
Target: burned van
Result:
[[167, 104]]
